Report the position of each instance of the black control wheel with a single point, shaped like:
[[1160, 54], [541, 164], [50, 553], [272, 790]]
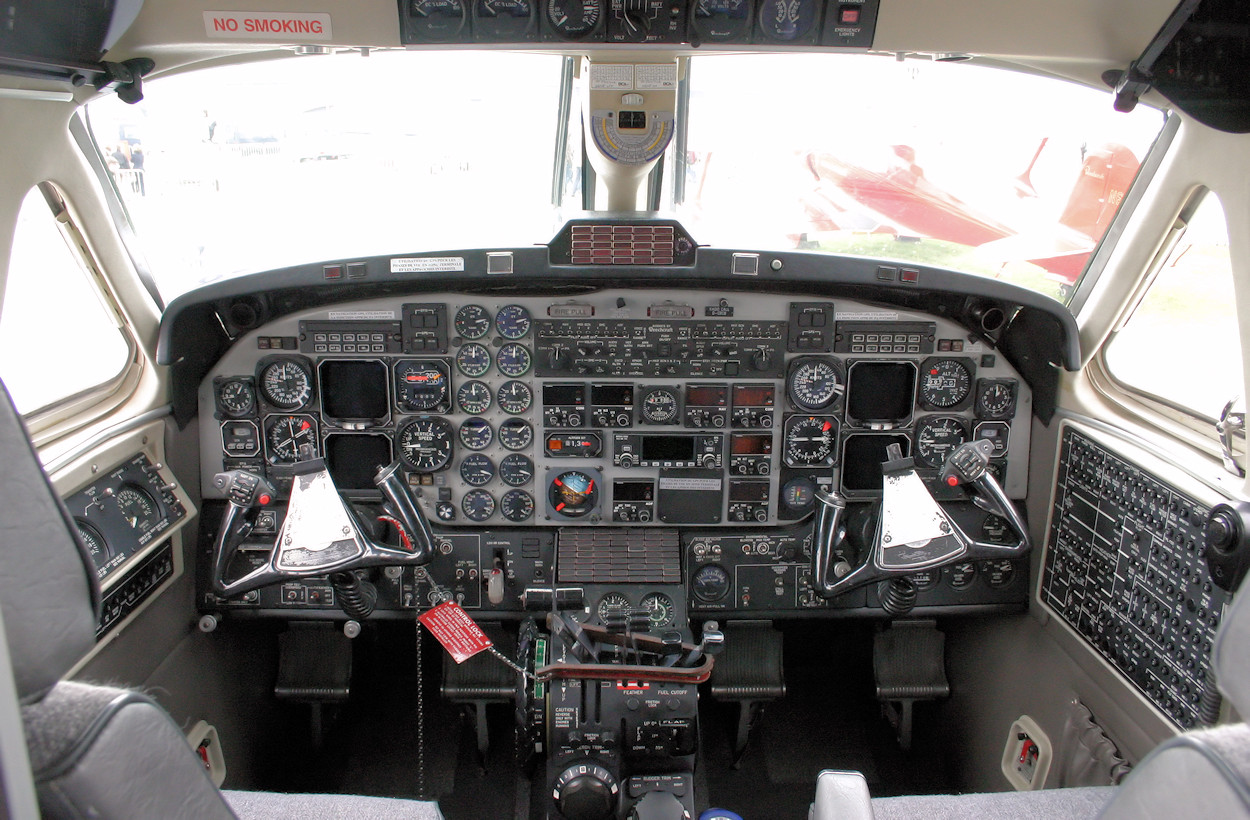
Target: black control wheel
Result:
[[586, 791]]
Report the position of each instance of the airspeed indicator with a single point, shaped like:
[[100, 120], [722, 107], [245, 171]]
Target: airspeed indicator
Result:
[[814, 384]]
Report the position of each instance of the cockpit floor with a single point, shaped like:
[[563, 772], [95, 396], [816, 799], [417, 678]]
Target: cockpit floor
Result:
[[829, 719]]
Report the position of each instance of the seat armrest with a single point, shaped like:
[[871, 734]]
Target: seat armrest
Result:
[[841, 796]]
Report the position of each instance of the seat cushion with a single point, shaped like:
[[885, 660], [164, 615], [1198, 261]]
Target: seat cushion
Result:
[[1047, 804], [275, 806]]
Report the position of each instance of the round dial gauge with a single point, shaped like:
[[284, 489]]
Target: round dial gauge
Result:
[[515, 397], [659, 607], [614, 603], [810, 441], [711, 583], [719, 21], [787, 20], [798, 493], [516, 434], [514, 360], [502, 19], [425, 444], [963, 574], [814, 384], [421, 385], [472, 321], [473, 359], [284, 435], [998, 574], [476, 433], [478, 505], [573, 493], [659, 406], [937, 437], [436, 20], [96, 545], [996, 399], [476, 470], [574, 19], [516, 470], [286, 384], [513, 322], [517, 505], [236, 397], [944, 383], [473, 397], [138, 508]]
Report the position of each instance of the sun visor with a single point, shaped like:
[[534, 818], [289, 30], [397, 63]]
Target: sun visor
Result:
[[61, 38]]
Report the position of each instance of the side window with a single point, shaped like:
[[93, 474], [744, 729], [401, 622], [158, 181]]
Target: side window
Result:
[[1191, 298], [57, 337]]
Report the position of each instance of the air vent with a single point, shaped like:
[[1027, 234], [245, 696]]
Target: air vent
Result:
[[622, 243], [619, 557]]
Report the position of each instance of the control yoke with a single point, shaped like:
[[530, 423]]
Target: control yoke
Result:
[[914, 532], [322, 533]]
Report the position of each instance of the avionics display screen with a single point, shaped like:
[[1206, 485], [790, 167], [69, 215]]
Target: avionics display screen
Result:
[[752, 491], [354, 459], [754, 395], [354, 390], [667, 448], [612, 395], [880, 391], [633, 491], [706, 395], [750, 444], [861, 459], [563, 395]]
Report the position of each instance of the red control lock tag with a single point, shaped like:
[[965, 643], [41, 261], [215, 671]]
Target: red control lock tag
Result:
[[455, 630]]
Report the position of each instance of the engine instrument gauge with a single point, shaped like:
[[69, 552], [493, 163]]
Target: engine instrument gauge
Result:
[[613, 604], [473, 359], [495, 20], [516, 434], [722, 21], [472, 321], [810, 441], [425, 444], [476, 433], [286, 384], [963, 574], [436, 21], [937, 437], [513, 321], [477, 470], [944, 383], [284, 435], [473, 397], [515, 397], [659, 607], [421, 385], [514, 360], [97, 546], [787, 20], [517, 505], [478, 505], [711, 583], [1000, 573], [573, 493], [814, 384], [574, 19], [236, 397], [138, 508], [659, 406], [516, 470]]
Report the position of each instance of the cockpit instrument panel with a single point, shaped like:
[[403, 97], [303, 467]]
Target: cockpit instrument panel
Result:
[[641, 407]]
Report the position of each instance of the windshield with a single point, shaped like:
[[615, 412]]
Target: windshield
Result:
[[245, 168]]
